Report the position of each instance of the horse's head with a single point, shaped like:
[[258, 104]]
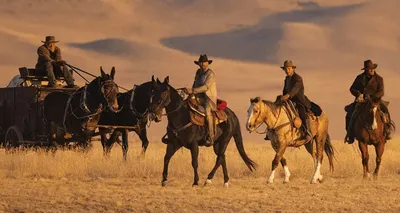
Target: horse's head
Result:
[[108, 89], [160, 97], [370, 108], [254, 114]]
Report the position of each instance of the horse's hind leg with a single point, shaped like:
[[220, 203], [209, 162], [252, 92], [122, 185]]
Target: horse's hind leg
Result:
[[218, 162], [320, 143], [379, 148], [365, 157]]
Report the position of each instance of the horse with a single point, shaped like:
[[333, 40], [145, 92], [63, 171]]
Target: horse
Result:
[[282, 132], [182, 132], [79, 113], [369, 130], [134, 112]]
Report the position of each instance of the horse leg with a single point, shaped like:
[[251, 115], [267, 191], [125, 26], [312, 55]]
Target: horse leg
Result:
[[145, 141], [320, 143], [218, 162], [275, 162], [103, 138], [171, 149], [285, 169], [365, 157], [194, 150], [124, 143], [225, 170], [379, 148]]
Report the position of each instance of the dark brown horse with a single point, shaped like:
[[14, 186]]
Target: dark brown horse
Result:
[[369, 130], [182, 133], [79, 113]]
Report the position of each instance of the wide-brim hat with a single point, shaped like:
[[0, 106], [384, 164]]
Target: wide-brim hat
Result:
[[288, 63], [50, 39], [203, 58], [369, 65]]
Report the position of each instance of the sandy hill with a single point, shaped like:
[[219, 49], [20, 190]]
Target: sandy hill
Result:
[[248, 40]]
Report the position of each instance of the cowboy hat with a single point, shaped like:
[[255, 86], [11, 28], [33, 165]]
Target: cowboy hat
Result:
[[288, 63], [368, 65], [50, 39], [203, 58]]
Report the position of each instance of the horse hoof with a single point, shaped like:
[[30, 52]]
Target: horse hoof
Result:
[[195, 185], [163, 183], [270, 181], [226, 185], [286, 181], [208, 181]]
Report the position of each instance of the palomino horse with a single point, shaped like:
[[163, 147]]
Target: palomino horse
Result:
[[79, 113], [369, 130], [181, 132], [134, 112], [283, 134]]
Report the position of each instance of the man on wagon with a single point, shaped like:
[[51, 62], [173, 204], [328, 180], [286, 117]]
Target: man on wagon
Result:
[[206, 87], [49, 59], [367, 85]]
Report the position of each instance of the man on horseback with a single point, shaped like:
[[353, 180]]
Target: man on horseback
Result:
[[294, 90], [49, 59], [367, 85], [206, 88]]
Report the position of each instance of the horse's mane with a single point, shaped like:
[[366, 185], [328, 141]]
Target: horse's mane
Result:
[[274, 106]]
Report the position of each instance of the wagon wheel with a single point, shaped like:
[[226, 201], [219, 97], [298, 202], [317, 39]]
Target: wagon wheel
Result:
[[13, 138]]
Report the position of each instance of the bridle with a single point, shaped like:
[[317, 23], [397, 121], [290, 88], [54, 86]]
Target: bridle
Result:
[[89, 114]]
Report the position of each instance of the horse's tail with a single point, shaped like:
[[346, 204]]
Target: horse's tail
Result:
[[237, 136], [330, 152]]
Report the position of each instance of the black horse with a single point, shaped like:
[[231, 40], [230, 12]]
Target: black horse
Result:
[[181, 133], [79, 113], [134, 113]]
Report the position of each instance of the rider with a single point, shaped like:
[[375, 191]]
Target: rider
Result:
[[294, 91], [205, 86], [49, 59], [366, 85]]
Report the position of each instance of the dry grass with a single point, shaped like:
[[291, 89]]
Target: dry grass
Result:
[[73, 182]]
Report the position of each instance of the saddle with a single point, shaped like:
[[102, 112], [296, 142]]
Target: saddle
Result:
[[198, 113], [312, 114]]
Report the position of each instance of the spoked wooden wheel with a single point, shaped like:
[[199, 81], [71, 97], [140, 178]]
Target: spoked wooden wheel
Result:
[[13, 138]]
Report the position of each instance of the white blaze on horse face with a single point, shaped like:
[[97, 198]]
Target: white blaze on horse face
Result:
[[250, 118], [374, 123]]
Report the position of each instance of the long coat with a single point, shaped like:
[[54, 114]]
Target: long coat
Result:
[[205, 83], [374, 87], [45, 55], [295, 88]]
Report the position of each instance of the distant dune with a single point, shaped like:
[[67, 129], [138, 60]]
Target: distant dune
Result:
[[328, 41]]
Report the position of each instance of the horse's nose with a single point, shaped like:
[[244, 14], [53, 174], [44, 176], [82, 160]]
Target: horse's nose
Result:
[[115, 105]]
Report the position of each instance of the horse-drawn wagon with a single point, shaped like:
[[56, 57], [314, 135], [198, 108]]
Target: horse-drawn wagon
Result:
[[21, 109]]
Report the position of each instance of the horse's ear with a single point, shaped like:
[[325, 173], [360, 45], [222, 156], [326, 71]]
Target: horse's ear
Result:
[[166, 80], [112, 74], [152, 78], [158, 81], [102, 72], [255, 100]]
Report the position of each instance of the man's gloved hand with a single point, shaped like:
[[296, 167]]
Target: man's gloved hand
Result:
[[285, 97], [360, 98], [188, 91], [61, 62]]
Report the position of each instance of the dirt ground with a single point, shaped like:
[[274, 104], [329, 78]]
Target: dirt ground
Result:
[[76, 182]]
